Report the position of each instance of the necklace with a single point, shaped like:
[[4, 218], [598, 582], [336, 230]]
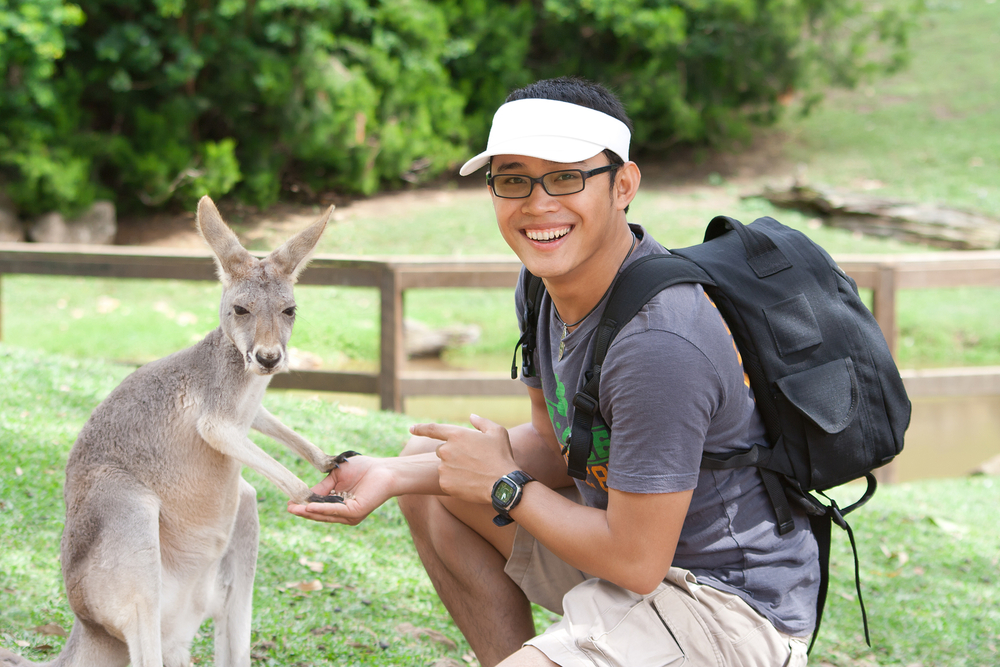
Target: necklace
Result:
[[567, 327]]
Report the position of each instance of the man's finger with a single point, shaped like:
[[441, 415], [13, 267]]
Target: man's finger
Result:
[[482, 424], [325, 486], [436, 431], [327, 512]]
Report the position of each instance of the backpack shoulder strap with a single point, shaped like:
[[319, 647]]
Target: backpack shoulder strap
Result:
[[533, 289], [641, 281]]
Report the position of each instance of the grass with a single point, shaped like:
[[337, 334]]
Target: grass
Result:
[[929, 550], [371, 578], [928, 133], [151, 318]]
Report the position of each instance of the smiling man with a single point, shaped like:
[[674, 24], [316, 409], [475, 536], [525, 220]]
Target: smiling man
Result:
[[649, 560]]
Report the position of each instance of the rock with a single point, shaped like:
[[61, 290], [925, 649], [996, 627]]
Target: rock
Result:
[[989, 467], [931, 224], [96, 226], [11, 229], [301, 360], [421, 342]]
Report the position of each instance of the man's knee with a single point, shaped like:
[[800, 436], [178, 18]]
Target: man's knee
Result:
[[416, 510]]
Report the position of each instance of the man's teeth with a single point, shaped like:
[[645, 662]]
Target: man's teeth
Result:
[[546, 234]]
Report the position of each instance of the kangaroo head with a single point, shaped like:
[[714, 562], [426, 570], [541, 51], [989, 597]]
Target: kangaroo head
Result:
[[258, 307]]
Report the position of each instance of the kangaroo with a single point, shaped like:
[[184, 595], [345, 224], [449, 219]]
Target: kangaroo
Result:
[[161, 529]]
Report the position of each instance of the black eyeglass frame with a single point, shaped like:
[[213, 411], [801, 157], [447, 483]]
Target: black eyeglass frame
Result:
[[584, 175]]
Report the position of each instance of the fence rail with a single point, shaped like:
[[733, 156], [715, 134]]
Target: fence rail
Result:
[[393, 275]]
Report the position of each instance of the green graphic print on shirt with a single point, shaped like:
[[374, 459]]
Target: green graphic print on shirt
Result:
[[597, 463]]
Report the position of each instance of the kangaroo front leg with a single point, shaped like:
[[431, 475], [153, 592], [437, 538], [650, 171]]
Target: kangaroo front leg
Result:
[[273, 427], [228, 439]]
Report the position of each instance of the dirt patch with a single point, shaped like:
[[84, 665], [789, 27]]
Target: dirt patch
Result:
[[763, 159], [681, 171]]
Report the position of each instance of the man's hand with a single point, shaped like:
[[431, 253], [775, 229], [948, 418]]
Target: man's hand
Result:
[[471, 459], [365, 482]]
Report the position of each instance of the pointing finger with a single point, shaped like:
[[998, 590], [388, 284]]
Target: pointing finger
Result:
[[436, 431]]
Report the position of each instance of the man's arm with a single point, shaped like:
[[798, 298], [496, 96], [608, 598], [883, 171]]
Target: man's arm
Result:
[[631, 544], [536, 448], [373, 481]]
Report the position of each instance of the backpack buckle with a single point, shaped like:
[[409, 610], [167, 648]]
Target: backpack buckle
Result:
[[585, 402]]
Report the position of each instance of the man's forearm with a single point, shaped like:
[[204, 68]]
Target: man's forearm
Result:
[[538, 458], [414, 475]]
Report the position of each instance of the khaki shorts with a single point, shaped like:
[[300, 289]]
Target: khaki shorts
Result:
[[682, 622]]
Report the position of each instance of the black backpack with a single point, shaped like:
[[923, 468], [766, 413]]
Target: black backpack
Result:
[[829, 392]]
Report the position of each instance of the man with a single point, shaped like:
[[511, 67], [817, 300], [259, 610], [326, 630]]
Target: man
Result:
[[651, 560]]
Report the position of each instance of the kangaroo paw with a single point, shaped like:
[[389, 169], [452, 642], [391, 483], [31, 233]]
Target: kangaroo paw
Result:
[[326, 499], [343, 456], [334, 461]]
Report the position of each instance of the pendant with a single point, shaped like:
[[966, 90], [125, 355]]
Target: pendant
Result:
[[562, 342]]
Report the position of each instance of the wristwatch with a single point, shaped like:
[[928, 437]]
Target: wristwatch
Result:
[[507, 494]]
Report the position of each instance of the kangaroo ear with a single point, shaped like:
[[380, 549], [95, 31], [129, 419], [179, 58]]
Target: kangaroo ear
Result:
[[231, 259], [294, 254]]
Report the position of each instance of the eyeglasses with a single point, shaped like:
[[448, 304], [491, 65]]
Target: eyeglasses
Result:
[[555, 183]]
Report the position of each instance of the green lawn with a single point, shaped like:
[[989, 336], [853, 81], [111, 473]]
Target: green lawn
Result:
[[929, 550]]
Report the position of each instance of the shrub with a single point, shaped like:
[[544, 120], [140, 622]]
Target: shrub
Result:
[[156, 102], [698, 71], [37, 125]]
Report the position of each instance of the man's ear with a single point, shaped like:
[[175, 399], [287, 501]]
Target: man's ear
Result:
[[626, 184]]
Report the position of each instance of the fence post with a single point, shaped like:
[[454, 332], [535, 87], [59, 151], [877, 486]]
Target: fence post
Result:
[[884, 304], [884, 309], [391, 357]]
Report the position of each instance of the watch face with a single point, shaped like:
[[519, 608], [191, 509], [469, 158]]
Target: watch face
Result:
[[503, 492]]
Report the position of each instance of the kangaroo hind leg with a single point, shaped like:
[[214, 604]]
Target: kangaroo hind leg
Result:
[[233, 601], [114, 578]]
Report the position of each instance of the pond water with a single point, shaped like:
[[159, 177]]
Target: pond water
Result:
[[947, 437]]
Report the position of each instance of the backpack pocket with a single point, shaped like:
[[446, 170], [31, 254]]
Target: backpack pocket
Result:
[[793, 325], [826, 394]]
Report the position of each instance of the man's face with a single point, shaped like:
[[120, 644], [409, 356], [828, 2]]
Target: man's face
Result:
[[558, 236]]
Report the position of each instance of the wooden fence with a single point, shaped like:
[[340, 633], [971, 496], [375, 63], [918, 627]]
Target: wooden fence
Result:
[[394, 275]]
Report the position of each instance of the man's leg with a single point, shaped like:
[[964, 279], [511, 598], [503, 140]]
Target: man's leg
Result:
[[529, 656], [467, 569]]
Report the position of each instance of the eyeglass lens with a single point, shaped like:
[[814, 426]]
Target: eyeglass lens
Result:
[[555, 183]]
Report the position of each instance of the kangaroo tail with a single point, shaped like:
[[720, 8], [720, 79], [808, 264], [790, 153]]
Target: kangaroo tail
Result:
[[8, 659]]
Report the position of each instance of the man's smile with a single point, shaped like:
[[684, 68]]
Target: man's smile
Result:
[[545, 235]]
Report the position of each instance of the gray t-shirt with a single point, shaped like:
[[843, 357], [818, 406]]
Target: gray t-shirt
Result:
[[672, 387]]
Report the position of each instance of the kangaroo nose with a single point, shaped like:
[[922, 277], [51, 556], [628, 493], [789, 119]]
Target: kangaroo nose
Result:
[[268, 359]]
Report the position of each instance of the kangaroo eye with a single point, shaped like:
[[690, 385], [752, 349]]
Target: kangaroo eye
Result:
[[240, 310], [289, 311]]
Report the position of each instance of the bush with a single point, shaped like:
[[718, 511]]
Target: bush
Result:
[[699, 71], [156, 102], [37, 126]]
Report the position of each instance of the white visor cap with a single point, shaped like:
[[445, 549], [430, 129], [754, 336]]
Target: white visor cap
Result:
[[551, 130]]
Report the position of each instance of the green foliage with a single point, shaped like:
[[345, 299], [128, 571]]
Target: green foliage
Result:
[[157, 102], [165, 101], [37, 121], [687, 71]]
